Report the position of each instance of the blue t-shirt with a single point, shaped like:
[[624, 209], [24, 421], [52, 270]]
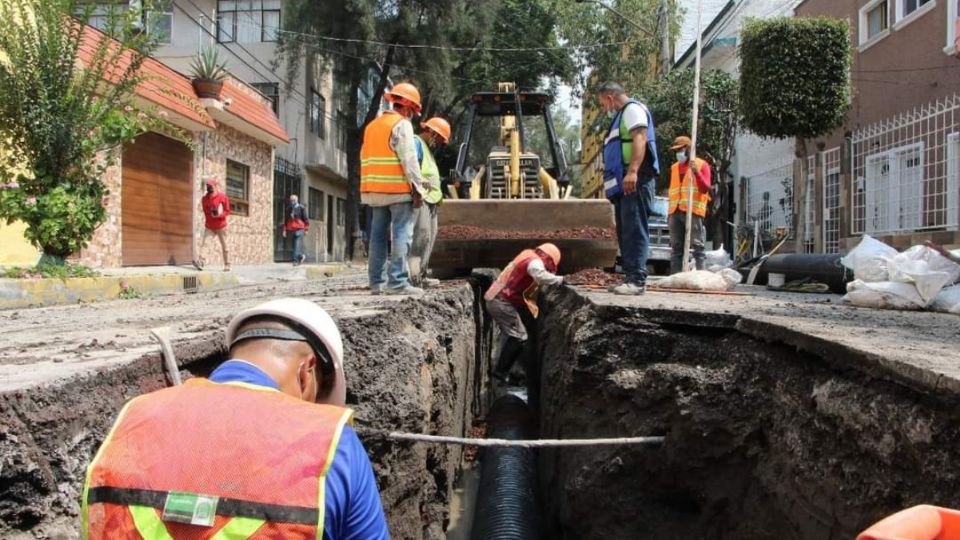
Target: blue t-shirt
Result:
[[353, 510]]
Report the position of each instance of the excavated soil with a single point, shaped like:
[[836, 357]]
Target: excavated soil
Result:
[[468, 232], [762, 441], [411, 366]]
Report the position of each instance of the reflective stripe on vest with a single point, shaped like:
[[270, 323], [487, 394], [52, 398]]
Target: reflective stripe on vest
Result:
[[431, 173], [380, 168], [678, 191], [182, 444]]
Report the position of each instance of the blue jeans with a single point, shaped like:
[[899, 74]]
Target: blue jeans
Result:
[[297, 245], [398, 218], [633, 233]]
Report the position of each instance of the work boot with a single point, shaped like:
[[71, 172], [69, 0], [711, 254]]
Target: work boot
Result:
[[629, 289], [431, 283], [512, 348], [409, 290], [198, 264]]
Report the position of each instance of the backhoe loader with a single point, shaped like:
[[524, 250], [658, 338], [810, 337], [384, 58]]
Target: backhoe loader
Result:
[[511, 175]]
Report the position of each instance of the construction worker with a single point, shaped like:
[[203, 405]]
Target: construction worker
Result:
[[392, 185], [923, 522], [680, 178], [435, 132], [630, 168], [216, 208], [261, 449], [516, 289]]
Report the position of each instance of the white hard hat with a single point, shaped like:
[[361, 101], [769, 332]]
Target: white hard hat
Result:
[[310, 323]]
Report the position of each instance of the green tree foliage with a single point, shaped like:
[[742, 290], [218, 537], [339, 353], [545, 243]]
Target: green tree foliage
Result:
[[794, 76], [57, 119]]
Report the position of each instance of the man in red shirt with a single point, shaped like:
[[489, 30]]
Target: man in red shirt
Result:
[[216, 208], [297, 224]]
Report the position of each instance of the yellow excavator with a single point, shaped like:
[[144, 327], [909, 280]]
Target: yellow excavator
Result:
[[511, 175]]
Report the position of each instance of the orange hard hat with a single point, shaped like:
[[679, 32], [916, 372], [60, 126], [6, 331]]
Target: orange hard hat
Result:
[[551, 251], [439, 126], [923, 522], [406, 92]]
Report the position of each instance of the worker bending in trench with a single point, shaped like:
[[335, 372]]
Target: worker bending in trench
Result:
[[516, 289], [261, 449]]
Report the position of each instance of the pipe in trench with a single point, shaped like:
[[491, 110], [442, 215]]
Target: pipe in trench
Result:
[[507, 506]]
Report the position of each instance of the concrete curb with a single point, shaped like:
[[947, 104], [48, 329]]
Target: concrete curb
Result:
[[21, 293]]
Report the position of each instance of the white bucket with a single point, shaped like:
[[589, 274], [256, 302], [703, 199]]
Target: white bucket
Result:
[[776, 280]]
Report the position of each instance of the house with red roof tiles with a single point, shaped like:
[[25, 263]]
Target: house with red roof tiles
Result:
[[153, 210]]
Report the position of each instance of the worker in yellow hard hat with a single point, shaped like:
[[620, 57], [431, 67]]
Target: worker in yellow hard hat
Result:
[[516, 289], [392, 185], [260, 449], [434, 133]]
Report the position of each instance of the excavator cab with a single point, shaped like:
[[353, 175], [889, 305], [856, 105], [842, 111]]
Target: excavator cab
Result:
[[510, 148]]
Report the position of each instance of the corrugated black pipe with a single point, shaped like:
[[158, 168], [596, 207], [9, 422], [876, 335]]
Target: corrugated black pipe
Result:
[[507, 505], [825, 268]]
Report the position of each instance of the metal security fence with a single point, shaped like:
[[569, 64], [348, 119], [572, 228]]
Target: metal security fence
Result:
[[769, 201], [905, 171], [832, 202]]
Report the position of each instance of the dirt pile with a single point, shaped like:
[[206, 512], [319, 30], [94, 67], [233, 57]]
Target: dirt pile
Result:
[[593, 278], [762, 441], [467, 232]]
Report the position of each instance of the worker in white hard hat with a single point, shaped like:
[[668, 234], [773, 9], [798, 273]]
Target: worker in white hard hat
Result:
[[516, 290], [261, 449]]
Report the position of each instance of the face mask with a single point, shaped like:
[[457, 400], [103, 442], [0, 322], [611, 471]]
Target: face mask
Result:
[[293, 203], [681, 157]]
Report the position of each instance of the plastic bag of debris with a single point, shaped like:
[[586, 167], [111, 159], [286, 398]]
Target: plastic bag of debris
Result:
[[717, 258], [870, 260], [948, 301], [925, 268], [702, 280], [884, 295]]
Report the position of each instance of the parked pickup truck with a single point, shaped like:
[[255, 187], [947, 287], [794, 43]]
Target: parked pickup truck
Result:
[[658, 260]]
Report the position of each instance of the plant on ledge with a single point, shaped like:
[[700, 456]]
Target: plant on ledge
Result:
[[209, 72]]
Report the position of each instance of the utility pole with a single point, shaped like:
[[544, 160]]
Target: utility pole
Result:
[[663, 25]]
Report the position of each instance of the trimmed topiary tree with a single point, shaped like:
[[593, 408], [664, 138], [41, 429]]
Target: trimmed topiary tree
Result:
[[794, 76]]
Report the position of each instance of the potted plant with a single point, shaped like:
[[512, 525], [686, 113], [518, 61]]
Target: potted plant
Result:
[[209, 72]]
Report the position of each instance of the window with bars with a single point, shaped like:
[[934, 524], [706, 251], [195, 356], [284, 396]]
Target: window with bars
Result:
[[272, 92], [315, 204], [158, 21], [318, 110], [238, 188], [247, 21]]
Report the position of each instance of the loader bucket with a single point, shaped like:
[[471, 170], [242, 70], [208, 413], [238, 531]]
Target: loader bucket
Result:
[[489, 233]]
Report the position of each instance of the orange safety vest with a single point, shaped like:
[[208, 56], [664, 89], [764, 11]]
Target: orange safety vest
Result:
[[678, 191], [380, 167], [515, 285], [192, 462]]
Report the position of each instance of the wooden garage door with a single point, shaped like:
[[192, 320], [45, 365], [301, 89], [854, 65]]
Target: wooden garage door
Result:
[[157, 201]]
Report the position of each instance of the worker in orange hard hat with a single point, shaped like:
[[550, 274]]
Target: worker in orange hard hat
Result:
[[392, 185], [515, 289], [434, 133], [923, 522]]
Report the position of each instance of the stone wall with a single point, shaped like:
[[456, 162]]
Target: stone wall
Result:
[[106, 247], [250, 238]]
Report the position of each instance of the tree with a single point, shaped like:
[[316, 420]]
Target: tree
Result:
[[59, 120], [795, 80], [671, 104]]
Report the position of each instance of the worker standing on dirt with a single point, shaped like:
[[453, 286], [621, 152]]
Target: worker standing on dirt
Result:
[[297, 223], [516, 289], [630, 169], [216, 208], [261, 449], [392, 185], [435, 132], [680, 180]]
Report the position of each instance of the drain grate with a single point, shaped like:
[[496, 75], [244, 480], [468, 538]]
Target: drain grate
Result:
[[190, 284]]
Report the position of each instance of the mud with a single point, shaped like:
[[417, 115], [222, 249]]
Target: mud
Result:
[[762, 440], [411, 366]]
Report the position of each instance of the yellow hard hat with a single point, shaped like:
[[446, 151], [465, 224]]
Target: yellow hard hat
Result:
[[439, 126], [406, 92]]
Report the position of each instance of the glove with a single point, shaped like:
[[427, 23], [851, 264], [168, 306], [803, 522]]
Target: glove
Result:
[[417, 199]]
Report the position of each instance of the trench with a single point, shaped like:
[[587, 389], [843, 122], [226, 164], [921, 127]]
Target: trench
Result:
[[763, 440]]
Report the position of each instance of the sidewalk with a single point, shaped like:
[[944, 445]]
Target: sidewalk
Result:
[[143, 281]]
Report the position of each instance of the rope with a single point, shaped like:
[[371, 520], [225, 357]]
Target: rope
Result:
[[539, 443]]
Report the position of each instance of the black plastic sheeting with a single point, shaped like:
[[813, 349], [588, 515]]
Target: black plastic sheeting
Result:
[[507, 504]]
